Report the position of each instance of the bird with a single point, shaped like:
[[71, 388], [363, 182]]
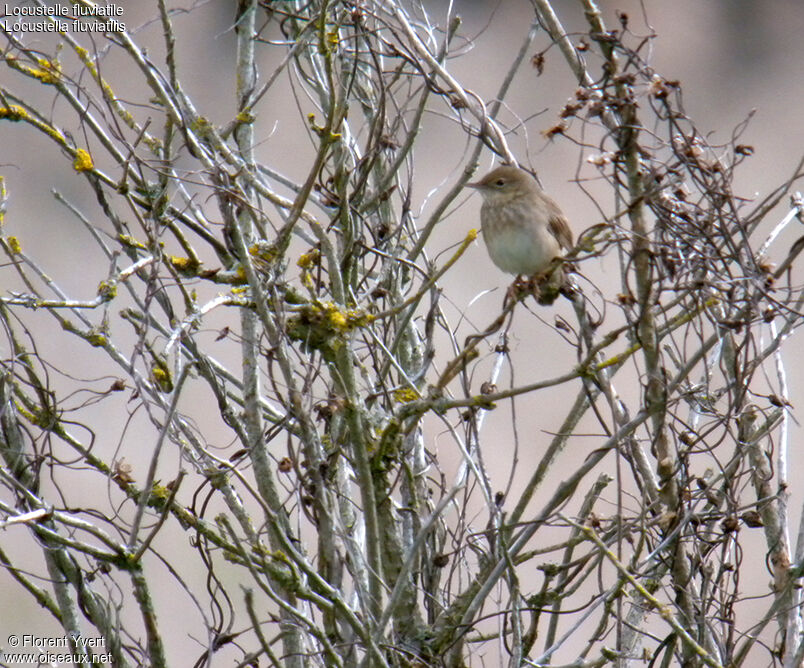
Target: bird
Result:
[[523, 228]]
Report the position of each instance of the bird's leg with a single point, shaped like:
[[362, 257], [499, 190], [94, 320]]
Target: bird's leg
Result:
[[545, 286], [518, 290]]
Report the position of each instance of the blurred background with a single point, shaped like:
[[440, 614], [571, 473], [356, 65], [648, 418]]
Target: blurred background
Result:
[[735, 60]]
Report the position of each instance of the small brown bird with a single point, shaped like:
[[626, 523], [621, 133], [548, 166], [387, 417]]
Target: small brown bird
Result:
[[523, 228]]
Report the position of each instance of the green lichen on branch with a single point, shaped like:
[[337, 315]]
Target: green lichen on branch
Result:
[[185, 266], [324, 326]]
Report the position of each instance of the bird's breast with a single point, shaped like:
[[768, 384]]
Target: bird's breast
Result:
[[517, 241]]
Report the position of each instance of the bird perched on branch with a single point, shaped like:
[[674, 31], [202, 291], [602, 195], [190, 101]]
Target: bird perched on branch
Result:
[[524, 229]]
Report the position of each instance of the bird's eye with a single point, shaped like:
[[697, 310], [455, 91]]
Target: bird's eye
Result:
[[499, 182]]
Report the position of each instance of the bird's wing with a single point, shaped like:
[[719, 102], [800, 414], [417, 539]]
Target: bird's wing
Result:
[[560, 229]]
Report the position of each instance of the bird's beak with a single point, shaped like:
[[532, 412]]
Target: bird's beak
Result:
[[474, 185]]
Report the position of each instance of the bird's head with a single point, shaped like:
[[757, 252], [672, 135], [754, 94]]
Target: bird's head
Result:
[[505, 183]]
